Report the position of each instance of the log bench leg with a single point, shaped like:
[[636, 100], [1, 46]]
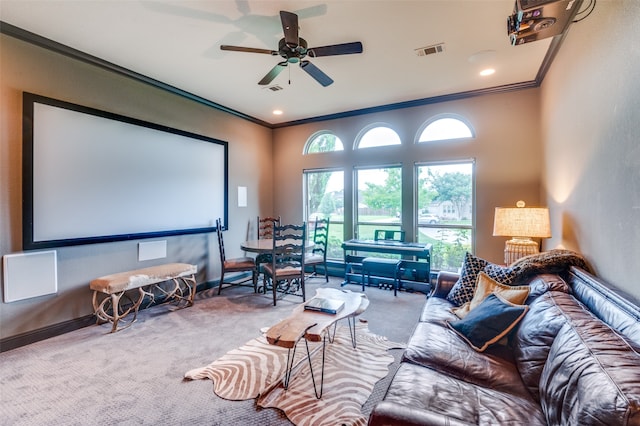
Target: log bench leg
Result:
[[109, 310], [183, 290]]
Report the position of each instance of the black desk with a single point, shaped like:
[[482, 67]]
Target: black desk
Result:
[[353, 249]]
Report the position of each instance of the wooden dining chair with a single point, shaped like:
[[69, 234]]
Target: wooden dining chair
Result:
[[238, 264], [265, 231], [285, 273], [318, 255]]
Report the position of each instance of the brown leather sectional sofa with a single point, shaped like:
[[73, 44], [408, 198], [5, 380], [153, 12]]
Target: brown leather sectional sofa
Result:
[[573, 359]]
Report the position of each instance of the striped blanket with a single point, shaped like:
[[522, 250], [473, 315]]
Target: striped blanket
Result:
[[255, 370]]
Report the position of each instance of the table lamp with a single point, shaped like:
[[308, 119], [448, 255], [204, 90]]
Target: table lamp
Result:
[[521, 224]]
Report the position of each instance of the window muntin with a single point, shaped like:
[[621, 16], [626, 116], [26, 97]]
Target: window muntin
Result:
[[379, 200], [445, 211], [445, 128], [324, 191], [378, 136], [323, 142]]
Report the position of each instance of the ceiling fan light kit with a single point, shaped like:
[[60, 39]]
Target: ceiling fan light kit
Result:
[[294, 49]]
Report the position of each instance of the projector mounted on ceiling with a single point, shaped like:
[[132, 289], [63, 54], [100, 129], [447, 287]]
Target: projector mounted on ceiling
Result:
[[534, 20]]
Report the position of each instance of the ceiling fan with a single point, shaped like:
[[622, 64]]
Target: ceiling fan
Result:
[[294, 49]]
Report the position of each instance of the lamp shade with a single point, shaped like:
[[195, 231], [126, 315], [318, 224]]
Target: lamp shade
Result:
[[532, 222]]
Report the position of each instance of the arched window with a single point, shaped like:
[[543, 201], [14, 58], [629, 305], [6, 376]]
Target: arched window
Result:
[[323, 142], [377, 135], [445, 127]]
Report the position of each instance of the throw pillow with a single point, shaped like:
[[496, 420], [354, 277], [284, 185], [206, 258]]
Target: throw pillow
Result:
[[489, 322], [463, 290], [485, 286]]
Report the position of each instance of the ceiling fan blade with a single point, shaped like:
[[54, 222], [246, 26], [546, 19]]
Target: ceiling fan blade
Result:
[[290, 28], [273, 73], [315, 72], [336, 49], [247, 49]]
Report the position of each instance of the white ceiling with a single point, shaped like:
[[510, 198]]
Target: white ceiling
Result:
[[178, 43]]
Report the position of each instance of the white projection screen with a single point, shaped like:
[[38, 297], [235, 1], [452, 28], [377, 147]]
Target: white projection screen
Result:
[[91, 176]]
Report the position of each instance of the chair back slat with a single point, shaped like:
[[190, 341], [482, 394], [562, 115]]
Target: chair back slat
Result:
[[265, 226], [321, 237], [220, 240], [289, 240]]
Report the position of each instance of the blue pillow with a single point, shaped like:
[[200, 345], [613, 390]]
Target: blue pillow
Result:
[[488, 322]]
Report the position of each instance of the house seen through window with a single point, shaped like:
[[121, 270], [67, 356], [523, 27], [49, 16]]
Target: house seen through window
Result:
[[445, 212]]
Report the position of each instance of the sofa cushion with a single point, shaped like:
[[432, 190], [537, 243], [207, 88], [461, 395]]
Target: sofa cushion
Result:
[[536, 332], [435, 345], [485, 286], [543, 283], [489, 322], [449, 400], [592, 376], [463, 290], [437, 310]]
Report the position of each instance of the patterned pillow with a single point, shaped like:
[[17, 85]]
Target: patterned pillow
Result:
[[464, 289], [502, 274], [487, 286]]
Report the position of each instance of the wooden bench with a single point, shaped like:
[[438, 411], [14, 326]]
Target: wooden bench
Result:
[[145, 281]]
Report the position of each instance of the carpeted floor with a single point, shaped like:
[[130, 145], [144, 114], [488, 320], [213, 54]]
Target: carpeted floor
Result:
[[135, 376]]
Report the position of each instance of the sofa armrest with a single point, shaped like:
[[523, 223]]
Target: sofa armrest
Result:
[[444, 283], [392, 414]]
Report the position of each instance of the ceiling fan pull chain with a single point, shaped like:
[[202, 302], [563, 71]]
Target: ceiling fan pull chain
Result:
[[289, 76]]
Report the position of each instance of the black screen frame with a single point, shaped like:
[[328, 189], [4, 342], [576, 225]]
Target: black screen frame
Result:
[[29, 243]]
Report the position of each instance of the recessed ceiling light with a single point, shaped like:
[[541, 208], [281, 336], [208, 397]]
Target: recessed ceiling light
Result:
[[487, 71], [277, 112]]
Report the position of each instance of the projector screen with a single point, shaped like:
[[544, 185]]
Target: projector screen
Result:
[[91, 176]]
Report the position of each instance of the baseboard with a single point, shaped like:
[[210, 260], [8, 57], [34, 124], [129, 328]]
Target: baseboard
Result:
[[44, 333], [54, 330]]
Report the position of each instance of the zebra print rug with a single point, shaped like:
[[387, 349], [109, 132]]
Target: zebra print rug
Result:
[[255, 370]]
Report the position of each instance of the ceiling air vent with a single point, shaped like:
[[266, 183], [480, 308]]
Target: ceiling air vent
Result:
[[275, 88], [430, 50]]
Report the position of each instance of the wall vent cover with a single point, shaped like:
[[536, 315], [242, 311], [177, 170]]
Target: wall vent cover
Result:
[[430, 50]]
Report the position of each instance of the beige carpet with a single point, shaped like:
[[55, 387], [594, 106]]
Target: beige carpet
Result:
[[256, 370], [136, 376]]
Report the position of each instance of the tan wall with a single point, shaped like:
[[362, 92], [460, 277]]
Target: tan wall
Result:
[[506, 149], [591, 133], [25, 67]]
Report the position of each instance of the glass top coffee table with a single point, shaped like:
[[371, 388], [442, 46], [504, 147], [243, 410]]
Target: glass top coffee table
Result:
[[315, 327]]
